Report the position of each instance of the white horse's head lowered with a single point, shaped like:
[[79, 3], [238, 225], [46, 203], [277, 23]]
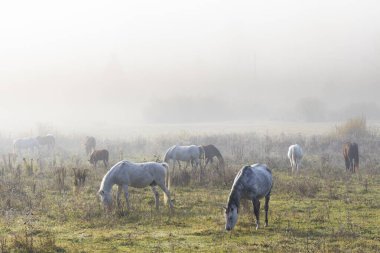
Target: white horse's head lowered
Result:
[[105, 198]]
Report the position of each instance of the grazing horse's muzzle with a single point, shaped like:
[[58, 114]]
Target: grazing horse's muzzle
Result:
[[228, 228]]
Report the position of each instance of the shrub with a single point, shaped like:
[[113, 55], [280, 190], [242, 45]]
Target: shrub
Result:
[[353, 128]]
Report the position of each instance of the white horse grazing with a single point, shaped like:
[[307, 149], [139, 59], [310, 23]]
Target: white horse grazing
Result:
[[295, 156], [187, 154], [138, 175], [25, 143]]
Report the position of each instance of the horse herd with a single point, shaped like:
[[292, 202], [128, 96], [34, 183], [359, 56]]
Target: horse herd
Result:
[[252, 182], [31, 143]]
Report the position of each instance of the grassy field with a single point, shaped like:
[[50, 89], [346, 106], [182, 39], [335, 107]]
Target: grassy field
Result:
[[323, 209]]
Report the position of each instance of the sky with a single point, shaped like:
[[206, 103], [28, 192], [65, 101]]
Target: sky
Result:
[[68, 63]]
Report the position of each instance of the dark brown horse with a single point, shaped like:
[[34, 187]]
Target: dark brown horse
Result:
[[351, 156], [90, 144], [99, 155], [210, 152]]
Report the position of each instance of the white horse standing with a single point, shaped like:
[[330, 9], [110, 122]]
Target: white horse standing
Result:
[[187, 154], [25, 144], [138, 175], [295, 155]]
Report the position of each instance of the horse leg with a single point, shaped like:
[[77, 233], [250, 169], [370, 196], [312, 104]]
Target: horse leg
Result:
[[295, 164], [167, 193], [291, 164], [347, 162], [354, 162], [351, 165], [356, 165], [298, 163], [105, 163], [119, 190], [267, 198], [156, 196], [126, 194], [197, 164], [207, 161], [256, 210]]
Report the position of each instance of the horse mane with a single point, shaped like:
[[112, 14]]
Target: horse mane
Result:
[[237, 187], [166, 157], [109, 173]]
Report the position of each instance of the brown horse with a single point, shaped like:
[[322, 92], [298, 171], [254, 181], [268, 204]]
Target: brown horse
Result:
[[210, 152], [351, 156], [90, 144], [99, 155]]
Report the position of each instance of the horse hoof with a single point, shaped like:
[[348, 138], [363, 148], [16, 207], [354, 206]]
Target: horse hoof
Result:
[[257, 227]]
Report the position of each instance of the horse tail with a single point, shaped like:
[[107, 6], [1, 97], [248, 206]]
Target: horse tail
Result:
[[167, 179], [221, 161]]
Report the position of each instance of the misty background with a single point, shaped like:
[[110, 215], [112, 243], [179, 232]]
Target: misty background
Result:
[[127, 63]]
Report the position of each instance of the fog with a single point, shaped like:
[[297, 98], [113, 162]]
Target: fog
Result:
[[127, 63]]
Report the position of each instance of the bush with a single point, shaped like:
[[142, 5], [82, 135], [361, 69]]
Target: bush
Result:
[[353, 128]]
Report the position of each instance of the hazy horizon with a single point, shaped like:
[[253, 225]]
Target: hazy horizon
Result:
[[92, 63]]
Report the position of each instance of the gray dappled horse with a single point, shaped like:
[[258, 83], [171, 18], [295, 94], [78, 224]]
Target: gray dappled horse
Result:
[[251, 182]]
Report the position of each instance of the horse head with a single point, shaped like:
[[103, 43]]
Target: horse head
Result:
[[168, 154], [231, 216], [106, 199]]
